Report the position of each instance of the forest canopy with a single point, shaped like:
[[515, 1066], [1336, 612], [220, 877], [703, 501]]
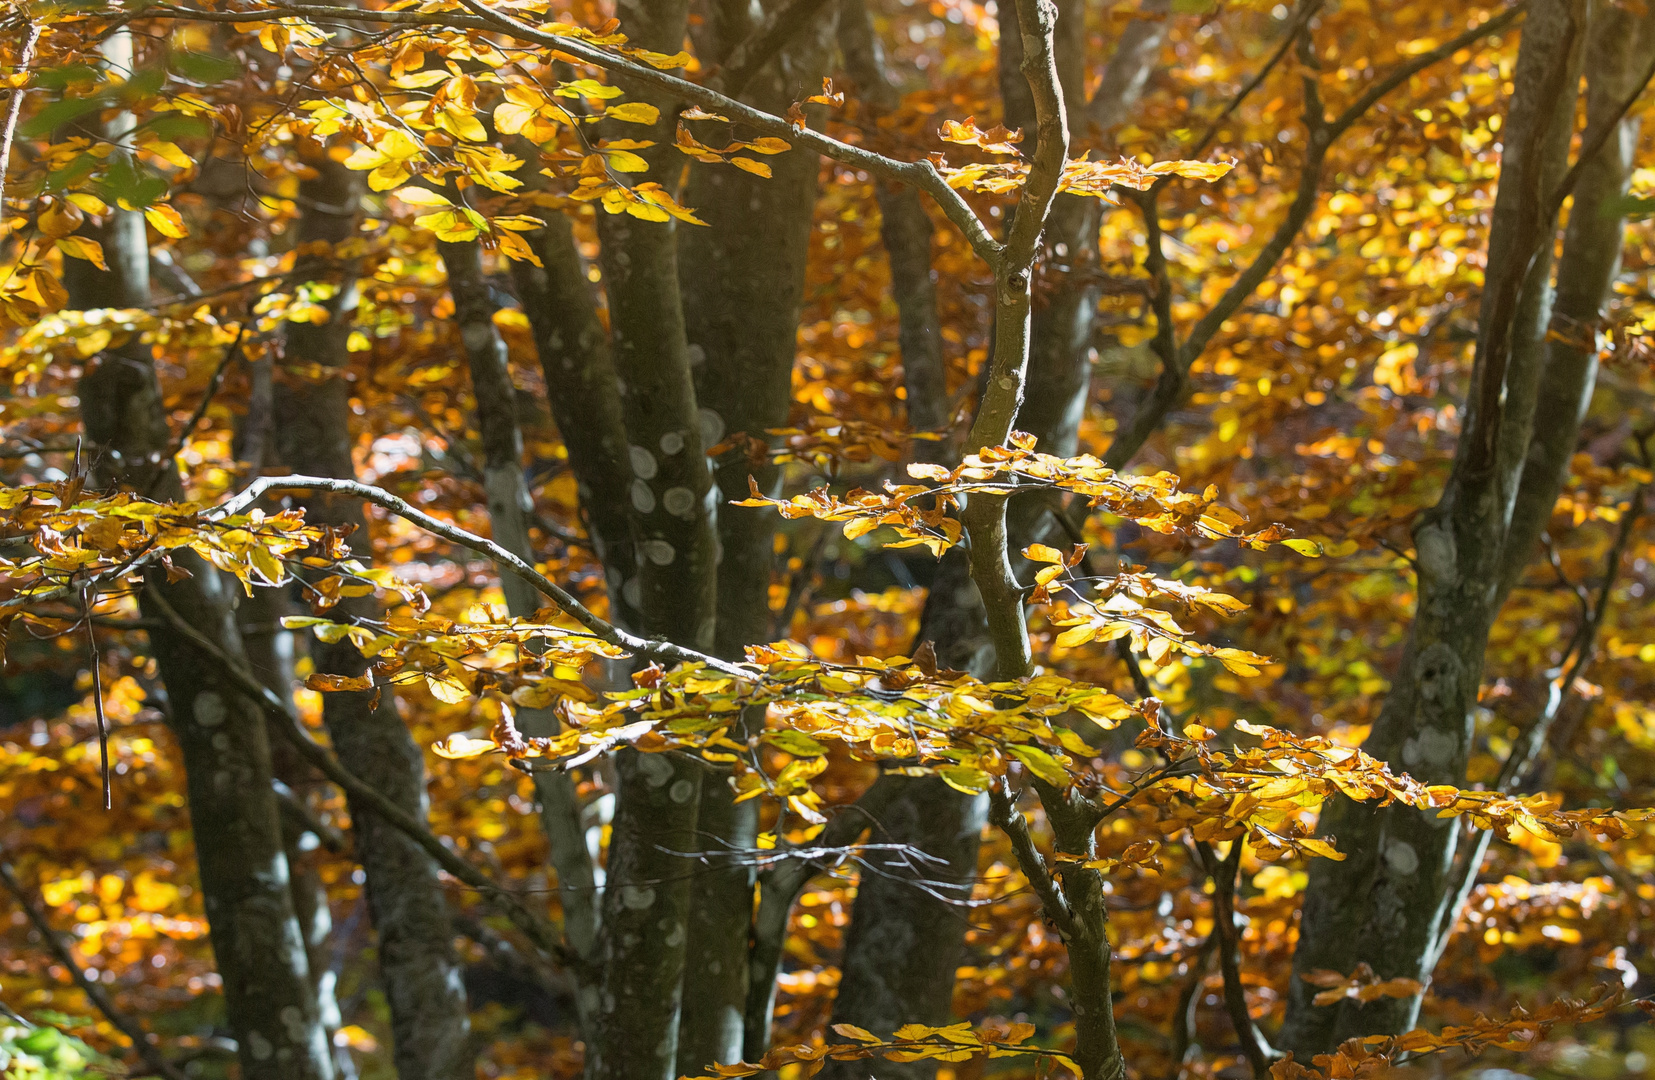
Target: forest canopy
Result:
[[881, 538]]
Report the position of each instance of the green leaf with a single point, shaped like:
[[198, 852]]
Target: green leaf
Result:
[[1041, 764], [173, 126], [60, 77], [128, 180], [796, 743], [61, 112], [205, 67]]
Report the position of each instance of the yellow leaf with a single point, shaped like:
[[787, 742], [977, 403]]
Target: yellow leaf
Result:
[[1076, 635], [80, 247], [167, 221], [1310, 549], [459, 747], [1042, 553], [1040, 764], [448, 691], [418, 196], [634, 112], [625, 161], [757, 168]]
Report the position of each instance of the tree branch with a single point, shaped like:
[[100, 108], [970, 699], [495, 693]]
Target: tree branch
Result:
[[1320, 136], [601, 629]]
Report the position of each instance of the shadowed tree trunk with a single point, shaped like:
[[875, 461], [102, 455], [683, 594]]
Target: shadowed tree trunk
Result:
[[742, 279], [1387, 903], [509, 504], [419, 969], [257, 941], [953, 620], [672, 504]]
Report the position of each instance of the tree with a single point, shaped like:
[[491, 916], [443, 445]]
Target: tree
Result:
[[752, 478]]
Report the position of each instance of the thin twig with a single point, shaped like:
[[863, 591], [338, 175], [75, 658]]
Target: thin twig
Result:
[[88, 599], [600, 628], [230, 354]]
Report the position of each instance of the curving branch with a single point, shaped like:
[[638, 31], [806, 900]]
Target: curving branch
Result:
[[600, 628]]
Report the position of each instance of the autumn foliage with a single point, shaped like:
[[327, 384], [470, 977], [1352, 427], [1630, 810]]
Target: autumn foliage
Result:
[[545, 538]]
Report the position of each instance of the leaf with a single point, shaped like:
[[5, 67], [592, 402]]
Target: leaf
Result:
[[862, 1035], [757, 168], [166, 221], [625, 161], [1040, 764], [1310, 549], [796, 743], [447, 690], [459, 747], [1042, 553], [418, 196], [320, 681], [81, 247], [633, 112], [59, 113]]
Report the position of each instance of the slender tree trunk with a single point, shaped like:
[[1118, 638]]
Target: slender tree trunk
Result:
[[418, 966], [270, 657], [742, 280], [905, 228], [584, 394], [954, 618], [256, 938], [509, 504], [647, 896], [1385, 903]]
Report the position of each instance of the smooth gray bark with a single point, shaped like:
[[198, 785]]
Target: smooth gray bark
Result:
[[742, 281], [257, 941], [420, 971]]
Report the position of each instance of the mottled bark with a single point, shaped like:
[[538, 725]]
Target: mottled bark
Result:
[[419, 968], [270, 657], [1618, 52], [954, 616], [1384, 903], [906, 938], [742, 281], [673, 509], [584, 394], [509, 505], [646, 902], [257, 943]]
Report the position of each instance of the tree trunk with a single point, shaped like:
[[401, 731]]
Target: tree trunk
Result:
[[1058, 381], [419, 969], [584, 394], [742, 280], [1385, 903], [256, 938], [646, 900], [509, 504]]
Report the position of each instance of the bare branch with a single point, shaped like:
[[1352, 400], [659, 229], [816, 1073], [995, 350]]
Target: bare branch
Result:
[[601, 629], [1003, 812]]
